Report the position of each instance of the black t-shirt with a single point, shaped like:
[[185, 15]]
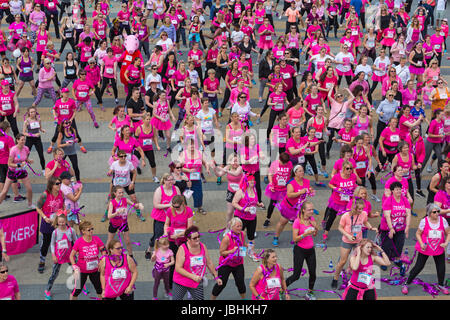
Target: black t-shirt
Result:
[[136, 107], [152, 94]]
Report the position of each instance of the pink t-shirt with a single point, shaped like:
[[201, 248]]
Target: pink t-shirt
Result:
[[108, 66], [338, 164], [436, 128], [6, 143], [88, 253], [353, 225], [404, 130], [279, 100], [391, 138], [82, 89], [295, 116], [163, 257], [442, 197], [280, 174], [9, 288], [308, 241], [18, 155], [398, 213], [65, 166], [293, 144], [347, 184], [347, 136], [64, 110], [211, 85]]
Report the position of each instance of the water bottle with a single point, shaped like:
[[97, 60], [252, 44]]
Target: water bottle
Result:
[[330, 266]]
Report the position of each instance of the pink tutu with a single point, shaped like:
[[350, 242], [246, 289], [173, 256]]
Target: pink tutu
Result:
[[134, 161], [335, 206], [377, 78], [348, 73], [415, 70], [275, 195], [160, 125], [290, 213]]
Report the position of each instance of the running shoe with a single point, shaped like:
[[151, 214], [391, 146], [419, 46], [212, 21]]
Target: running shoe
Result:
[[429, 169], [155, 179], [219, 181], [310, 296], [420, 193], [320, 184], [96, 125], [266, 180], [41, 267], [275, 242], [19, 198], [104, 216], [253, 256], [413, 214], [48, 295], [139, 215], [375, 198], [325, 174], [83, 149], [31, 206], [168, 296], [148, 255], [139, 171], [444, 290], [334, 284], [50, 149], [266, 223], [258, 121], [316, 211], [405, 289], [325, 237], [116, 101]]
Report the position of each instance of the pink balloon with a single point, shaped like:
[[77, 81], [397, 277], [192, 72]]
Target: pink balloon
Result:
[[11, 46]]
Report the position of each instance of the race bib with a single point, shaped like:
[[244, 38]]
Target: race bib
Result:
[[318, 135], [329, 85], [63, 244], [26, 70], [109, 70], [2, 145], [295, 121], [87, 54], [301, 159], [402, 52], [361, 165], [268, 38], [273, 283], [354, 32], [70, 72], [120, 181], [195, 176], [171, 72], [419, 63], [242, 251], [341, 115], [443, 96], [252, 210], [435, 234], [278, 106], [345, 197], [181, 83], [364, 278], [281, 182], [128, 58], [91, 265], [411, 103], [196, 261], [234, 186], [42, 42], [35, 125], [281, 140], [119, 274], [101, 32], [237, 139], [6, 106], [286, 75], [51, 5], [82, 94], [390, 34], [174, 22], [147, 142], [19, 31], [179, 231], [437, 46], [357, 228], [141, 32], [395, 138]]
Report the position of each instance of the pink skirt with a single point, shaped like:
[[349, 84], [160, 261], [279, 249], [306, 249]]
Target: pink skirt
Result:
[[161, 125], [377, 78], [288, 212], [415, 70], [348, 73], [387, 42], [134, 161], [265, 44], [275, 195], [336, 206]]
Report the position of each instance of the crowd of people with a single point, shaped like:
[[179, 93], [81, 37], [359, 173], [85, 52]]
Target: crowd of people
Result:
[[201, 110]]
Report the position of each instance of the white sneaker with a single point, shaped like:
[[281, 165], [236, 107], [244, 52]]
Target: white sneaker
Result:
[[429, 169], [189, 297], [375, 198], [32, 206], [174, 136], [155, 179]]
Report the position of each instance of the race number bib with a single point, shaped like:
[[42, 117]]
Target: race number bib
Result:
[[242, 251], [83, 94], [6, 106], [91, 265], [119, 274], [63, 112], [364, 278], [195, 176], [252, 210], [356, 228], [281, 182], [395, 138], [435, 234], [120, 181], [345, 197], [268, 38], [70, 72], [196, 261], [35, 125], [234, 186], [63, 244], [301, 159], [109, 70], [147, 142], [361, 165], [281, 140], [273, 283]]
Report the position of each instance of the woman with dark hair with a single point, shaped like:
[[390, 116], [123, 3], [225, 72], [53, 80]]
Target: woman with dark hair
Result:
[[70, 69], [305, 84], [48, 205], [265, 69], [435, 137], [67, 137]]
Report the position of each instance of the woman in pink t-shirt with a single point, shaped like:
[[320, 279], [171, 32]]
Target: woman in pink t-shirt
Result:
[[109, 73], [389, 139], [87, 248], [435, 137], [17, 162], [303, 231], [351, 226]]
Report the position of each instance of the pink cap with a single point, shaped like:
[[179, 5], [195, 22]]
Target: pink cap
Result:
[[5, 83], [64, 90]]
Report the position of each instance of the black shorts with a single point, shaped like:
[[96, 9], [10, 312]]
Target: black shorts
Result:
[[150, 155], [3, 172], [230, 196], [17, 175], [112, 229]]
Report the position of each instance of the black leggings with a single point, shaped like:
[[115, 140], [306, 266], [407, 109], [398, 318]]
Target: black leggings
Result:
[[330, 216], [71, 41], [224, 273], [46, 240], [226, 98], [300, 255], [393, 247], [48, 15], [372, 181], [74, 160], [330, 138], [439, 261], [271, 208], [250, 225], [73, 125], [150, 155], [352, 294], [272, 117], [13, 122], [105, 83], [312, 161], [389, 157], [380, 127], [37, 142], [95, 280], [257, 176]]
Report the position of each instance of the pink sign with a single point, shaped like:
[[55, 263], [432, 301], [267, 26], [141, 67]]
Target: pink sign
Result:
[[21, 231]]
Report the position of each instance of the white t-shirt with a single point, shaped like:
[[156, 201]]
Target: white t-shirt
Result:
[[432, 225], [366, 69], [207, 120], [150, 77], [403, 73], [440, 5], [237, 36], [165, 44], [193, 75], [340, 58], [121, 174]]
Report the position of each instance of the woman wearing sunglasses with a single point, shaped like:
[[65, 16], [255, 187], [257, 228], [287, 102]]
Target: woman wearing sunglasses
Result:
[[87, 248], [67, 137], [9, 289], [433, 236], [191, 262], [178, 218], [118, 273]]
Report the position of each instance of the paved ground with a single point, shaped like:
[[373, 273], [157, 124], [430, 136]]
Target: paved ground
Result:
[[93, 174]]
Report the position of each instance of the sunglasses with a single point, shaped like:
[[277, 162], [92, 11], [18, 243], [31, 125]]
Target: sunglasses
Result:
[[440, 82], [122, 156], [349, 168], [339, 96], [195, 238], [57, 183], [179, 168], [436, 211], [4, 271], [118, 248], [390, 95], [177, 207]]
